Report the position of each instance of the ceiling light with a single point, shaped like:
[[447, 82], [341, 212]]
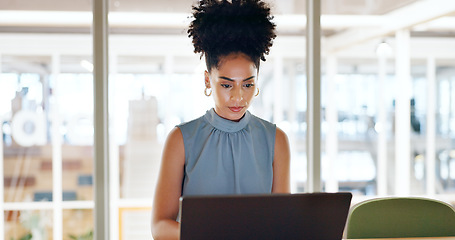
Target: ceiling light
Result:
[[383, 49]]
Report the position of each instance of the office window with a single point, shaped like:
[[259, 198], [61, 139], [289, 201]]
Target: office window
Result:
[[386, 99], [444, 153], [46, 115]]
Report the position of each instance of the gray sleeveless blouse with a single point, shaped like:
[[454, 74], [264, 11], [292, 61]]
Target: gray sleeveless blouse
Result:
[[227, 157]]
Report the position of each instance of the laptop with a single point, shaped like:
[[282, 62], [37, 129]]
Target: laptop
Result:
[[272, 216]]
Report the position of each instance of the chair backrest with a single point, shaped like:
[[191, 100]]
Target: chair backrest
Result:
[[397, 217]]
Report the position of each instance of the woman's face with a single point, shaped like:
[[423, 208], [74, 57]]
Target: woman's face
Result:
[[233, 85]]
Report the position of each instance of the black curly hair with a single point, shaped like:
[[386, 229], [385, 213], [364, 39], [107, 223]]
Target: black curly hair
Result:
[[221, 27]]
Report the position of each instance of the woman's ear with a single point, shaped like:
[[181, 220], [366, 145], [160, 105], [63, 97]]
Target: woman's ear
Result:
[[207, 79]]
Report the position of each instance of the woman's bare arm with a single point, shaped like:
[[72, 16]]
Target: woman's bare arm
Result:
[[169, 188], [281, 164]]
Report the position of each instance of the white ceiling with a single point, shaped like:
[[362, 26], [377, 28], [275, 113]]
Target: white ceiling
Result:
[[346, 24], [171, 17], [363, 7]]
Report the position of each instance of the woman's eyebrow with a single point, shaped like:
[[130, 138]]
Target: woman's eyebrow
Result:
[[226, 78]]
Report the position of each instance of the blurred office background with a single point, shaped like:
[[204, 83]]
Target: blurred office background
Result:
[[387, 104]]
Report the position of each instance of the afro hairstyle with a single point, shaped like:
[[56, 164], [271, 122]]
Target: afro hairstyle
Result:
[[222, 27]]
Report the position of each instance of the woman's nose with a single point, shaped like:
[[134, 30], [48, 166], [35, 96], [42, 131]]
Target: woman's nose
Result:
[[237, 94]]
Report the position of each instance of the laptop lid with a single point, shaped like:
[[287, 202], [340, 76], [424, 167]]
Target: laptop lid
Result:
[[271, 216]]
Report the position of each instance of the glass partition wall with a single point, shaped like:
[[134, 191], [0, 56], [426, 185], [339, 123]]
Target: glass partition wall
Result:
[[385, 90], [156, 81], [46, 116], [47, 155]]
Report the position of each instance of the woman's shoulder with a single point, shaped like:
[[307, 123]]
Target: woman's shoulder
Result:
[[281, 135], [174, 136]]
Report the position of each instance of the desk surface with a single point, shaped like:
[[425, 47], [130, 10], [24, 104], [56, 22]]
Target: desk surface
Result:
[[425, 238]]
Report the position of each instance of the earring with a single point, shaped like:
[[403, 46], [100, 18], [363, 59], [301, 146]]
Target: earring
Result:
[[207, 94], [257, 92]]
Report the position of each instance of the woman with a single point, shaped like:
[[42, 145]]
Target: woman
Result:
[[228, 150]]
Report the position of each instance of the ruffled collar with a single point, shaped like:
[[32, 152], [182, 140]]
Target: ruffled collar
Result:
[[224, 124]]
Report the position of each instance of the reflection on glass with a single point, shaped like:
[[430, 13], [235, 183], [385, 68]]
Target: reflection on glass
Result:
[[78, 224], [27, 122], [28, 224], [134, 223], [25, 132], [74, 101]]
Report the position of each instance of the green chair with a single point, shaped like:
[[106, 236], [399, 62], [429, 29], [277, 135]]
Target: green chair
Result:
[[398, 217]]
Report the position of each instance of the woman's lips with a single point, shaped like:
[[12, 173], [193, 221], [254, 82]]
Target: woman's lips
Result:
[[236, 109]]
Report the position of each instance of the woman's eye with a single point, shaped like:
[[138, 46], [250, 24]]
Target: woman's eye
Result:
[[248, 85], [226, 85]]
